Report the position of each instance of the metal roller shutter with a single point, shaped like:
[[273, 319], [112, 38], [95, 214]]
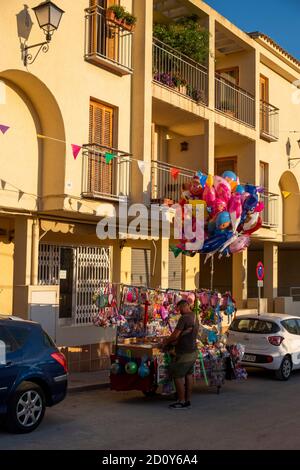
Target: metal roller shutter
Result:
[[140, 267], [175, 271]]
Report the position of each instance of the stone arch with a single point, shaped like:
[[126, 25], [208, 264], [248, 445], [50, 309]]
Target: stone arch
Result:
[[291, 206], [47, 120]]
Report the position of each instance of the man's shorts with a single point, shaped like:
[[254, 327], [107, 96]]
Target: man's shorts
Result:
[[183, 365]]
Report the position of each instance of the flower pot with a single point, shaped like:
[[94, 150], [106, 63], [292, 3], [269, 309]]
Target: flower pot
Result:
[[127, 26], [110, 15], [182, 89]]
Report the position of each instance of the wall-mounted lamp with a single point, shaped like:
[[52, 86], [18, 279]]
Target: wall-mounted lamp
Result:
[[48, 16], [292, 159]]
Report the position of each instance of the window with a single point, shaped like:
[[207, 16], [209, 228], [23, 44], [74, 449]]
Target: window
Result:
[[100, 174], [20, 334], [232, 75], [291, 326], [252, 325], [225, 164], [48, 341], [9, 341]]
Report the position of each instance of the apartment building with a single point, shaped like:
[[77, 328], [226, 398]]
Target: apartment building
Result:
[[99, 87]]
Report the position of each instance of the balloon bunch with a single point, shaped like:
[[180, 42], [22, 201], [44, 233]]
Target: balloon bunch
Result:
[[232, 213]]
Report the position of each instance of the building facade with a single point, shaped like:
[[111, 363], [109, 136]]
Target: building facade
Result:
[[99, 86]]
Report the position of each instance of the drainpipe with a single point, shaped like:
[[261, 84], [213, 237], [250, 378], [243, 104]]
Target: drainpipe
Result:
[[35, 252]]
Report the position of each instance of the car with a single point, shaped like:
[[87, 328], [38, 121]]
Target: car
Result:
[[33, 374], [272, 341]]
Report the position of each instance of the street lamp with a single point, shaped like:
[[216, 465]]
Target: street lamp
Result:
[[48, 16]]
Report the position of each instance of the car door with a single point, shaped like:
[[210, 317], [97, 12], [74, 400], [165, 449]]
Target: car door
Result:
[[9, 363], [292, 325]]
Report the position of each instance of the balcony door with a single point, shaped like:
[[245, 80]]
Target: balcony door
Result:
[[104, 36], [225, 164], [100, 174], [264, 98]]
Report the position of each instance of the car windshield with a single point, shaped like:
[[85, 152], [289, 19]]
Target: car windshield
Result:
[[253, 325]]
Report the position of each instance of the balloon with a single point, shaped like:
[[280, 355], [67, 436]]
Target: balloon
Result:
[[251, 189], [143, 371], [209, 195], [215, 242], [210, 181], [223, 189], [235, 210], [233, 185], [260, 206], [240, 244], [131, 368], [240, 189], [249, 206], [203, 178], [253, 224], [219, 206], [223, 220], [164, 313], [245, 196], [115, 368], [230, 175]]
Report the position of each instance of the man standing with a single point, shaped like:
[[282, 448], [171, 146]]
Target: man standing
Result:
[[182, 368]]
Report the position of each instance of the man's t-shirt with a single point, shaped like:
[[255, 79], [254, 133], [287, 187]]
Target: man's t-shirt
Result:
[[188, 324]]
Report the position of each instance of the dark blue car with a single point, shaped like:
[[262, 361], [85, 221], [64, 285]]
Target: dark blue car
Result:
[[33, 374]]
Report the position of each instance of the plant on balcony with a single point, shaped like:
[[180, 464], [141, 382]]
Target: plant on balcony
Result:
[[165, 79], [187, 36], [129, 21], [116, 13]]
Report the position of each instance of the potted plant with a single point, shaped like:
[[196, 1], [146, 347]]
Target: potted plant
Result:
[[129, 21], [115, 13]]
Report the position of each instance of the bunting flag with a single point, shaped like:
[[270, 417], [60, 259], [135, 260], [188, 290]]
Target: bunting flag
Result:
[[20, 195], [4, 128], [75, 150], [3, 184], [174, 173], [142, 166], [109, 157], [286, 194]]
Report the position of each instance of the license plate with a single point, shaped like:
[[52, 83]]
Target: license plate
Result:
[[249, 358]]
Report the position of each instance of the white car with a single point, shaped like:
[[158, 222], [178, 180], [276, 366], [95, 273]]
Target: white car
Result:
[[272, 341]]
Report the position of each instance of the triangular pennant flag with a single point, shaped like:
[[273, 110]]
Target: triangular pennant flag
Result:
[[109, 157], [4, 128], [75, 150], [21, 194], [142, 166], [286, 194], [174, 173], [3, 184]]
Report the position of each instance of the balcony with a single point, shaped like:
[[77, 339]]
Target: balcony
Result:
[[234, 101], [107, 44], [270, 213], [269, 122], [103, 180], [163, 186], [178, 72]]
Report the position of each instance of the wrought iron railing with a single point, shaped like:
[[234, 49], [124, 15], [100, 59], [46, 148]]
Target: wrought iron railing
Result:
[[163, 185], [104, 39], [269, 120], [105, 180], [177, 71], [270, 212], [234, 101]]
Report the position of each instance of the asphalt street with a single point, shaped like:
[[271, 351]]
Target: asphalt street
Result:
[[260, 413]]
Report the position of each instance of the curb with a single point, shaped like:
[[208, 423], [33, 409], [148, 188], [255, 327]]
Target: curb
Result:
[[88, 387]]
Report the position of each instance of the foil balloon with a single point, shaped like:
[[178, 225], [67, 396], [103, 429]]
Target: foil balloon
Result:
[[240, 189], [209, 195], [249, 206], [143, 371], [240, 244], [216, 241], [251, 189], [115, 368], [252, 224], [235, 210], [229, 176], [131, 368]]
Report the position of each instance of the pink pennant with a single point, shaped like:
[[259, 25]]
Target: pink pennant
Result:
[[174, 173], [76, 149], [4, 128]]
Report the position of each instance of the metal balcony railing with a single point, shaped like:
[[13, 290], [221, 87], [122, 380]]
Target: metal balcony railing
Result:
[[270, 213], [105, 180], [106, 41], [177, 71], [234, 101], [163, 186], [269, 121]]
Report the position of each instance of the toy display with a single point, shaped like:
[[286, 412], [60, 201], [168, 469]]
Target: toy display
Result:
[[232, 213]]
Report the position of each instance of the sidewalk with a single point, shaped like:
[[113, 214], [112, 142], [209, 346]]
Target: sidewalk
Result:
[[82, 381]]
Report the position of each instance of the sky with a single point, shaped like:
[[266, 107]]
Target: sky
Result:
[[279, 19]]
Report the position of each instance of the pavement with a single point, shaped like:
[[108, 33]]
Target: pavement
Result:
[[82, 381], [260, 413]]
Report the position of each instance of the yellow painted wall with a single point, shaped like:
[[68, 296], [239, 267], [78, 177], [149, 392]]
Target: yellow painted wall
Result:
[[6, 276]]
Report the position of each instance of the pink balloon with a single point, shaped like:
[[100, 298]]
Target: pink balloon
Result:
[[260, 207], [209, 195], [224, 192], [240, 244], [245, 196], [235, 209]]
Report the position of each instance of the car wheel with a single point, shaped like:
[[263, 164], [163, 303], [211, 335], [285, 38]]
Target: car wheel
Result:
[[26, 408], [285, 370]]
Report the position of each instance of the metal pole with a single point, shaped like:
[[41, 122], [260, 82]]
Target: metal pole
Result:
[[212, 273], [259, 296]]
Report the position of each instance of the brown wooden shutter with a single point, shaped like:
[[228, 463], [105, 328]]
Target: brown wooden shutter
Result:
[[140, 267], [175, 271], [101, 133]]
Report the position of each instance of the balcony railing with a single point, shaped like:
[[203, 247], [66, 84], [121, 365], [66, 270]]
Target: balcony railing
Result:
[[234, 101], [163, 186], [105, 180], [106, 43], [183, 75], [269, 121], [270, 213]]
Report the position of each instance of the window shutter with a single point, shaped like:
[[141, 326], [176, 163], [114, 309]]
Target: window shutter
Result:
[[101, 133]]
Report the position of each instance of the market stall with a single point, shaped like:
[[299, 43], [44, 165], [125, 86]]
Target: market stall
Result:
[[144, 317]]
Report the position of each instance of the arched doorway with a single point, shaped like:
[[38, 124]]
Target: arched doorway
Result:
[[291, 207]]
